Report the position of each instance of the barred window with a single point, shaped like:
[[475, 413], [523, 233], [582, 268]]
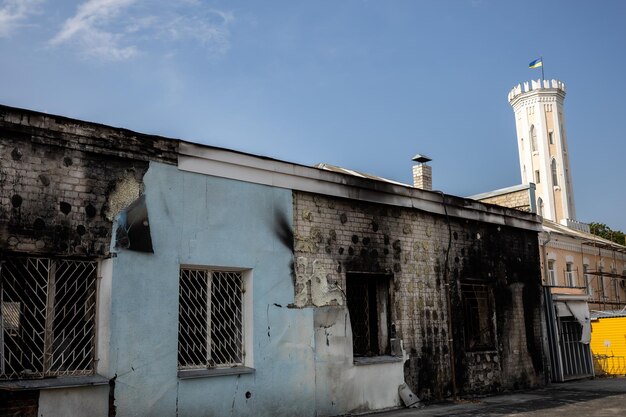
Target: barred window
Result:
[[47, 318], [211, 319], [368, 305], [478, 316]]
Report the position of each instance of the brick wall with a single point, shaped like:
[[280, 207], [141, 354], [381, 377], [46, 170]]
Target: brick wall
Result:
[[62, 181], [334, 236], [516, 199]]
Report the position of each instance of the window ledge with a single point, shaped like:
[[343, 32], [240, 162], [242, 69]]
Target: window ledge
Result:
[[481, 351], [207, 373], [53, 383], [374, 360]]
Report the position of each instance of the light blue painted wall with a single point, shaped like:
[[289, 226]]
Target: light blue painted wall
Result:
[[202, 220]]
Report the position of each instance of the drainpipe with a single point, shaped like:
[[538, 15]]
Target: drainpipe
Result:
[[546, 273], [545, 254], [449, 299]]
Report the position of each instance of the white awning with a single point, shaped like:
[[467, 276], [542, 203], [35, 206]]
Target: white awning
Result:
[[580, 311]]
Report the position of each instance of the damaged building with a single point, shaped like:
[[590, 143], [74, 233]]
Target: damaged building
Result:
[[142, 275]]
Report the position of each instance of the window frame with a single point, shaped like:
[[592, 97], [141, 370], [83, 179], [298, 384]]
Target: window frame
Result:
[[374, 311], [207, 368], [60, 320], [570, 277], [551, 272], [471, 322], [555, 174], [587, 280], [533, 139]]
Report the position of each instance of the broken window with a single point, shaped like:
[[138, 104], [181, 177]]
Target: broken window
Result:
[[47, 317], [478, 316], [368, 303], [211, 319]]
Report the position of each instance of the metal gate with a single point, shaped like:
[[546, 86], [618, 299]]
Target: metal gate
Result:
[[569, 358]]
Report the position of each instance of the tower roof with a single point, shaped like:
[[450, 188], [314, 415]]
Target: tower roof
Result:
[[536, 86]]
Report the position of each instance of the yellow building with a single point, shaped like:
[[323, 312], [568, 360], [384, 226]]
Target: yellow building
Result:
[[608, 342]]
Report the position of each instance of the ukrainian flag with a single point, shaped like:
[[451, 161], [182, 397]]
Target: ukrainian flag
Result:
[[536, 63]]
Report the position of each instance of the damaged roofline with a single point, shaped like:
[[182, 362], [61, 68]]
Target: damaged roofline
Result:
[[224, 163]]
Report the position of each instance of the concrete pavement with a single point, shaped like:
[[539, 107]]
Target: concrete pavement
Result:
[[598, 397]]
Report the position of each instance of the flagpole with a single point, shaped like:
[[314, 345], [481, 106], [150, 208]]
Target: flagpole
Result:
[[542, 77]]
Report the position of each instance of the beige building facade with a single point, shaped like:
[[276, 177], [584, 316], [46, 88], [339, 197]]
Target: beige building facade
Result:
[[572, 259]]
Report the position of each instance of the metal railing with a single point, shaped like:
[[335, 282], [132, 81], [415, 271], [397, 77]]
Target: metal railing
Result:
[[611, 365], [47, 317], [210, 329]]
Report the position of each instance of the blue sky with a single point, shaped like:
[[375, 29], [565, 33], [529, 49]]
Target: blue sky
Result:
[[360, 84]]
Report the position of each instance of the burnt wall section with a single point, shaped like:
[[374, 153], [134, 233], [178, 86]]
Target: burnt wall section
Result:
[[62, 181], [423, 252]]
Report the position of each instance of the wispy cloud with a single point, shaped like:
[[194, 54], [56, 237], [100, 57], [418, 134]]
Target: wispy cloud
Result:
[[210, 29], [117, 29], [14, 13], [91, 28]]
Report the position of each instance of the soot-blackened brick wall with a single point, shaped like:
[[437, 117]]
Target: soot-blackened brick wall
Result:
[[334, 236], [62, 181]]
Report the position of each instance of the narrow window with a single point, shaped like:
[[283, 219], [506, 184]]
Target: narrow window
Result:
[[555, 179], [210, 329], [48, 317], [551, 137], [614, 284], [569, 275], [533, 138], [551, 273], [478, 316], [537, 177], [540, 206], [587, 280], [602, 289], [368, 305]]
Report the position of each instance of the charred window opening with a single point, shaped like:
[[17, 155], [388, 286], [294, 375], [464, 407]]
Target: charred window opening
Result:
[[368, 304], [47, 317], [211, 320], [478, 316]]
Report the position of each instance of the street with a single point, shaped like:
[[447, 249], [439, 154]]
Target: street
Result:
[[598, 397]]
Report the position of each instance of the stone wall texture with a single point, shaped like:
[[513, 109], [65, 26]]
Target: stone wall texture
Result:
[[62, 181], [426, 254], [518, 200]]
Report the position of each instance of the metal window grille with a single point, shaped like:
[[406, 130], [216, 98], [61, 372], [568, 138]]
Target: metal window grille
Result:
[[48, 317], [478, 316], [368, 300], [210, 329], [361, 299]]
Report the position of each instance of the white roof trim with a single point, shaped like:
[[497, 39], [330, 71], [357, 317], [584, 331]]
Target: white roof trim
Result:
[[245, 167]]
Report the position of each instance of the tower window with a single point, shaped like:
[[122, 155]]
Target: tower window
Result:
[[540, 206], [555, 179], [551, 137], [537, 177], [533, 138]]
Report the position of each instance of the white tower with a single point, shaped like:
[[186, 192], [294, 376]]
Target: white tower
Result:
[[542, 144]]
